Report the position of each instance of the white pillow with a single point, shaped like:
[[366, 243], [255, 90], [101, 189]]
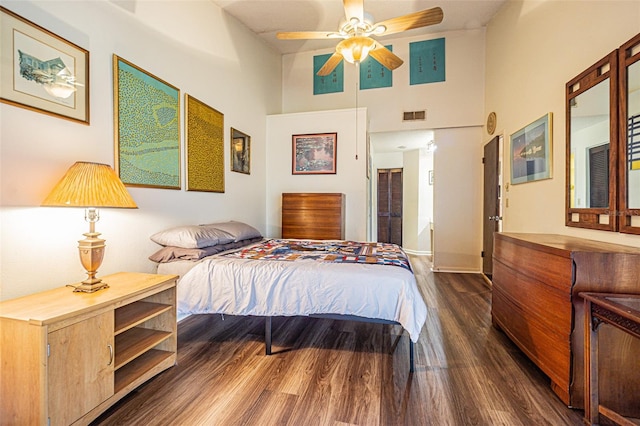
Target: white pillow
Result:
[[192, 236], [239, 230]]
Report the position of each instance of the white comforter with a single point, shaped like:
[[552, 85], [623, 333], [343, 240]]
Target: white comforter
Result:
[[279, 288]]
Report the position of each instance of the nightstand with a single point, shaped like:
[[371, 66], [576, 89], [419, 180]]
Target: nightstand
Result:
[[67, 357]]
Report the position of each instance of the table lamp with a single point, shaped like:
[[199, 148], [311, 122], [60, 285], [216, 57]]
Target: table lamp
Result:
[[90, 185]]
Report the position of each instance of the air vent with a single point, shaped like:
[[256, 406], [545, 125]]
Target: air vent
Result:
[[414, 115]]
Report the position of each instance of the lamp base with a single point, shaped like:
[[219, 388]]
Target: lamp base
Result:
[[91, 253], [88, 288]]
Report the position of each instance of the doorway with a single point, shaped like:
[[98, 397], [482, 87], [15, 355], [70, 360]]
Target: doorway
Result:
[[390, 206], [492, 207]]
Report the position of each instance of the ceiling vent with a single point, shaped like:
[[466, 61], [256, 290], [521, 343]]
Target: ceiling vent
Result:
[[414, 115]]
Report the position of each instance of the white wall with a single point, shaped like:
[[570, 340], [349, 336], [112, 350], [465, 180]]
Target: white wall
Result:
[[457, 195], [533, 49], [191, 45], [350, 177], [458, 101], [425, 203]]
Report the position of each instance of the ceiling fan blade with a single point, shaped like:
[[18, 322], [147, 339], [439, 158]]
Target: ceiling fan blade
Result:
[[354, 9], [413, 20], [306, 35], [330, 65], [385, 57]]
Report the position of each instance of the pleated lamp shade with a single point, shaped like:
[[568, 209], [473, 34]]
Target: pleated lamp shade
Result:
[[90, 185]]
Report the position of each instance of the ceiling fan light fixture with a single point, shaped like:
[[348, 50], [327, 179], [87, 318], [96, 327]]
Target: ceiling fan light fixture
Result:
[[355, 49]]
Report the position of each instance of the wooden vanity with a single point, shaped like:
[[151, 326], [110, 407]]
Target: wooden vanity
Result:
[[536, 281]]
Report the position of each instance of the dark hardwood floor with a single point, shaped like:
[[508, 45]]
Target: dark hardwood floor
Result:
[[331, 372]]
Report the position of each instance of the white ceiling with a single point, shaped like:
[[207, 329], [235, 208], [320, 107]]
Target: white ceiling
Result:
[[266, 17]]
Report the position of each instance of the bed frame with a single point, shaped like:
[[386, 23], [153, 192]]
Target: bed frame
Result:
[[267, 332]]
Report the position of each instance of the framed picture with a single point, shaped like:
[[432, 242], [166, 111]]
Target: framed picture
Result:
[[427, 61], [147, 127], [374, 75], [531, 149], [240, 152], [332, 83], [41, 71], [314, 154], [204, 147]]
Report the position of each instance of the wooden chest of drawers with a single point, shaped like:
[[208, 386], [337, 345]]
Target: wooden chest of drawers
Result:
[[536, 281], [318, 216]]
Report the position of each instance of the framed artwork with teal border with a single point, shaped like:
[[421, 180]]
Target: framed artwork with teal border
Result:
[[147, 127], [427, 61], [374, 75], [332, 83]]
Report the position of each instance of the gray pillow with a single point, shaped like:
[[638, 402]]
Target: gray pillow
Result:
[[171, 254], [192, 236], [239, 230]]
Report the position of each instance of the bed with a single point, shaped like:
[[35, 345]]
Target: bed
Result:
[[245, 274]]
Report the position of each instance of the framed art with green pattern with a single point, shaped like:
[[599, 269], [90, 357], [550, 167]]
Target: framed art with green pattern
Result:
[[147, 127], [204, 147]]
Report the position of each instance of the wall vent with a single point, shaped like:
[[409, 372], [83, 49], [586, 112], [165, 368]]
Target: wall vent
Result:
[[414, 115]]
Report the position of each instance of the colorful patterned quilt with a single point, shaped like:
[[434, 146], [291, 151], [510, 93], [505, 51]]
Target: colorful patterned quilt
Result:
[[325, 251]]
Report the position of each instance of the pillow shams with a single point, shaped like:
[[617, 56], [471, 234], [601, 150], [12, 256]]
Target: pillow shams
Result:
[[192, 236], [239, 230], [171, 254]]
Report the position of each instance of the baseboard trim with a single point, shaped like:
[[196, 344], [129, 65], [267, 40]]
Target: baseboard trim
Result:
[[455, 270], [417, 252]]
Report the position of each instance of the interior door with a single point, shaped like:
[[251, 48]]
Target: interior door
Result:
[[491, 218], [390, 206]]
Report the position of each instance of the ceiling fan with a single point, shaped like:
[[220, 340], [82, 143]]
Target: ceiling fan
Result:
[[357, 31]]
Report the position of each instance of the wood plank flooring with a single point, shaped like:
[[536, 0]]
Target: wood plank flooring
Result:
[[331, 372]]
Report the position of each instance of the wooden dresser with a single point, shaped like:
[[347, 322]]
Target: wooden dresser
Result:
[[536, 281], [318, 216], [67, 357]]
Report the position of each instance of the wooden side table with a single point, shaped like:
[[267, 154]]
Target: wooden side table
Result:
[[621, 311]]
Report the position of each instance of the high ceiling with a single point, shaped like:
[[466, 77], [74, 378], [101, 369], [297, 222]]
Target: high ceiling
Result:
[[266, 17]]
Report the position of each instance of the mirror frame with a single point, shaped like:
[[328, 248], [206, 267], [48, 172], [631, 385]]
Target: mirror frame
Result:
[[590, 217], [626, 59]]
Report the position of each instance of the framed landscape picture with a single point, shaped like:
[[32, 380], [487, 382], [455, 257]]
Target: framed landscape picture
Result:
[[531, 151], [314, 154], [41, 71], [147, 127]]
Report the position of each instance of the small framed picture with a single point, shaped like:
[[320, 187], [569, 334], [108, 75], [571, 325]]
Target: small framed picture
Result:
[[41, 71], [240, 152], [314, 154]]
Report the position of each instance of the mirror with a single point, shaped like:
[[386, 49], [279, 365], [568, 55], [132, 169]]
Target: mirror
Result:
[[630, 136], [240, 152], [591, 153]]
